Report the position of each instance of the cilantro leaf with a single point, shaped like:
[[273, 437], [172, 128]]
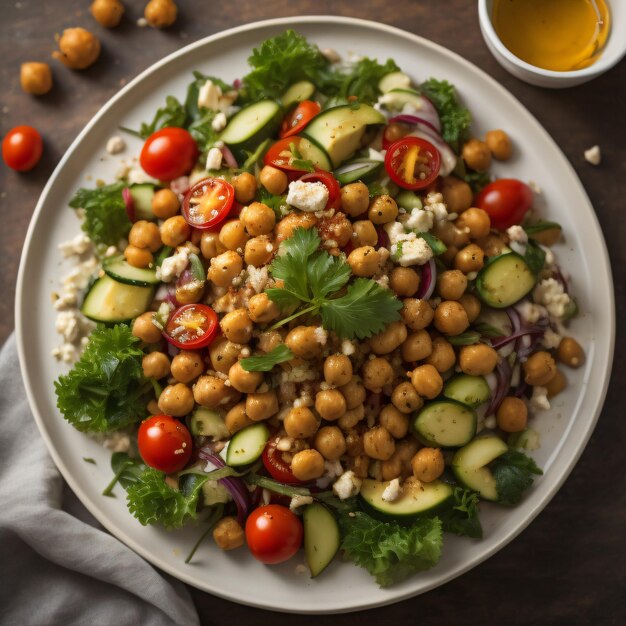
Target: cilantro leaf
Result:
[[285, 300], [172, 114], [327, 274], [266, 362], [468, 338], [105, 390], [278, 204], [126, 471], [106, 220], [366, 309], [390, 552], [462, 517], [513, 472]]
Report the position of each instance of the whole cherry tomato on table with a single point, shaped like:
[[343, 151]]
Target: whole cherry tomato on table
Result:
[[273, 461], [191, 327], [273, 533], [506, 200], [299, 118], [412, 162], [168, 153], [21, 148], [164, 443], [208, 203]]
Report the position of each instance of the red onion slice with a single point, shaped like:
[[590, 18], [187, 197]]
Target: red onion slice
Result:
[[229, 157], [428, 280], [448, 158], [129, 204], [383, 238], [503, 378], [414, 120]]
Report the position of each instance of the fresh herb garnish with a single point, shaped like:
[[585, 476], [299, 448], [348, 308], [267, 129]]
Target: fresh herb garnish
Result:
[[435, 244], [467, 338], [540, 226], [88, 459], [278, 204], [266, 362], [462, 517], [534, 256], [514, 473], [126, 471], [172, 114]]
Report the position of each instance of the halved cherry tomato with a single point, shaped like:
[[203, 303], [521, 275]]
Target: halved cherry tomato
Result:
[[164, 443], [274, 463], [273, 533], [299, 118], [326, 178], [412, 163], [506, 201], [21, 148], [280, 156], [208, 203], [191, 326], [168, 153]]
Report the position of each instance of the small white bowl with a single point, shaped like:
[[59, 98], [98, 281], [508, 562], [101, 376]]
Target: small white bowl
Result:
[[614, 50]]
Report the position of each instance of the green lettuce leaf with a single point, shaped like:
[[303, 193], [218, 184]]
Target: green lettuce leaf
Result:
[[514, 473]]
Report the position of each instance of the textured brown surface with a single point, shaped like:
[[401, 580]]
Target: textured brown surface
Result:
[[569, 566]]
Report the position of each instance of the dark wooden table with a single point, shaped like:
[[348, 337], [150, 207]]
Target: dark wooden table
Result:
[[569, 566]]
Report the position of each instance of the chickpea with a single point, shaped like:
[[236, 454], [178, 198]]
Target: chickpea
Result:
[[261, 406], [176, 400], [450, 318], [107, 13], [190, 292], [144, 328], [258, 218], [470, 259], [405, 398], [236, 418], [330, 404], [212, 392], [354, 393], [548, 237], [144, 234], [242, 380], [337, 370], [360, 465], [301, 423], [274, 180], [512, 415], [557, 384], [175, 231], [330, 442], [404, 281], [491, 245], [155, 365], [258, 251], [478, 359], [160, 13], [391, 468], [382, 209], [228, 533], [446, 231], [336, 228], [138, 257], [417, 346], [477, 155], [284, 229], [233, 235], [187, 365], [210, 245], [451, 284], [539, 369], [224, 268], [378, 443], [303, 342], [223, 354], [416, 313], [457, 194], [355, 198], [428, 464], [472, 306], [354, 442], [376, 374], [447, 257], [153, 407], [165, 204], [396, 422], [352, 417], [269, 339], [427, 381], [570, 352], [245, 187], [477, 221], [364, 234], [237, 326], [261, 309], [307, 465], [393, 132], [78, 48], [364, 261], [499, 144], [442, 357], [36, 78], [405, 451], [389, 339]]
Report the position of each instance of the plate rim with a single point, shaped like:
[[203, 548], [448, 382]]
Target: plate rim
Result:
[[156, 67]]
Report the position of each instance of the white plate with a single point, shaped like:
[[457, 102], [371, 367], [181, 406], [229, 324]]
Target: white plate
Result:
[[236, 576]]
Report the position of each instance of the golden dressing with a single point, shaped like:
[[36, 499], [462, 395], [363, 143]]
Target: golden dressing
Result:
[[558, 35]]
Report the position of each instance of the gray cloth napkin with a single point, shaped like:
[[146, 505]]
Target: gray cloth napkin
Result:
[[57, 564]]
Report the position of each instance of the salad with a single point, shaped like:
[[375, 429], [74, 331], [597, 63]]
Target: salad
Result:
[[314, 319]]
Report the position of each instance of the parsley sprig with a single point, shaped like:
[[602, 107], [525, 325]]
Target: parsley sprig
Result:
[[312, 281]]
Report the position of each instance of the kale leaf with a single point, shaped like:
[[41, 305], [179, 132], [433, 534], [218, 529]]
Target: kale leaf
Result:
[[462, 517], [514, 473]]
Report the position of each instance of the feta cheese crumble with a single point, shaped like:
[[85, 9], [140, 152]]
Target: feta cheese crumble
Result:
[[214, 159], [298, 501], [539, 399], [412, 252], [210, 96], [593, 155], [347, 485], [115, 145], [76, 246], [173, 266], [517, 233], [219, 122], [419, 220], [310, 197], [392, 491], [550, 293]]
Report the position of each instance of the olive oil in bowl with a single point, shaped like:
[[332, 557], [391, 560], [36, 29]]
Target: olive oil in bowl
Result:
[[558, 35]]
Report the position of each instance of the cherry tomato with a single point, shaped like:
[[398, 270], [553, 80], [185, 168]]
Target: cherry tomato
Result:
[[273, 533], [506, 200], [412, 162], [191, 326], [334, 190], [21, 148], [208, 203], [299, 118], [164, 443], [273, 461], [168, 153], [280, 156]]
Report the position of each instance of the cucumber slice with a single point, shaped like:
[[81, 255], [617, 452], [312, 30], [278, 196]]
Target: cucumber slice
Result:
[[246, 445], [394, 80], [359, 169], [445, 423], [498, 322], [142, 201], [111, 301], [214, 493], [416, 498], [339, 130], [408, 200], [298, 92], [396, 98], [207, 423], [529, 439], [504, 280], [321, 537], [250, 126], [124, 272], [469, 465], [470, 390], [310, 151]]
